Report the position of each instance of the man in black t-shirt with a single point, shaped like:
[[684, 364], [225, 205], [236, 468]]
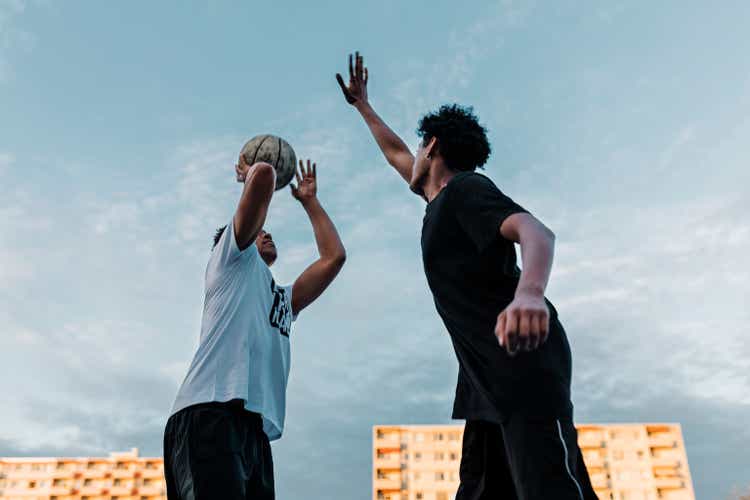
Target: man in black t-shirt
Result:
[[514, 360]]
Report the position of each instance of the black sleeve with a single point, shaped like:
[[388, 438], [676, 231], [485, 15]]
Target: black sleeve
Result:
[[480, 208]]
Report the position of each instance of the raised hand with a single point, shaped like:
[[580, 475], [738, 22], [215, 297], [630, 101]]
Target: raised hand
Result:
[[307, 184], [356, 92], [241, 168]]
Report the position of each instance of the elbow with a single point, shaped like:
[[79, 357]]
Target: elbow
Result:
[[264, 174], [545, 232], [337, 260], [340, 258]]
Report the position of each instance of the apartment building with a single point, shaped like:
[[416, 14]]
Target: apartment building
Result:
[[121, 476], [625, 461]]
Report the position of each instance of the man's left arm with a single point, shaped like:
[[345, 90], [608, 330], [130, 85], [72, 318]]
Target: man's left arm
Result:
[[524, 324], [316, 278]]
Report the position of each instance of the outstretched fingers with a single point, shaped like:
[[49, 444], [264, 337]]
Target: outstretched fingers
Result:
[[299, 173]]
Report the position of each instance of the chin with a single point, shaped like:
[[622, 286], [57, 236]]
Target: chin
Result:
[[269, 256], [416, 187]]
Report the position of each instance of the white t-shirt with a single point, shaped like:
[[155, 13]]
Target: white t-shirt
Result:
[[244, 342]]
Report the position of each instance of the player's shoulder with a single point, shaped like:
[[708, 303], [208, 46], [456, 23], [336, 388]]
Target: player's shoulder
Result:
[[471, 181]]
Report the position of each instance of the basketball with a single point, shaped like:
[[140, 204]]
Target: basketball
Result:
[[274, 150]]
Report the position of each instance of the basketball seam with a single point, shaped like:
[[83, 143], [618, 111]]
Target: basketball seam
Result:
[[278, 157], [255, 155]]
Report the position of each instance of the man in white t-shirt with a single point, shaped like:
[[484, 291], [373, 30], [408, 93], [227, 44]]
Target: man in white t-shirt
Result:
[[232, 401]]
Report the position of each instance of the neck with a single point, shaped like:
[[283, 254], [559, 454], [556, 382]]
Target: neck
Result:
[[435, 181]]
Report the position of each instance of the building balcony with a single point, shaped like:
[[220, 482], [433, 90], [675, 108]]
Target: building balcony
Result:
[[387, 483], [123, 489], [600, 481], [433, 446], [673, 462], [60, 490], [594, 461], [122, 473], [151, 473], [90, 490], [663, 441], [669, 482], [93, 473], [152, 490], [387, 438], [34, 475], [388, 447], [387, 462], [591, 441]]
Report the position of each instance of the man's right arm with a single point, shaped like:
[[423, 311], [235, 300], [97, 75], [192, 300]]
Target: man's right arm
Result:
[[395, 150], [260, 182]]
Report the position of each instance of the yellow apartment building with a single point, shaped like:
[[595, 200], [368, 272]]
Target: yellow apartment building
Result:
[[121, 476], [625, 461]]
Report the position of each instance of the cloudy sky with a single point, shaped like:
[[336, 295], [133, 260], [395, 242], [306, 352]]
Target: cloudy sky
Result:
[[623, 125]]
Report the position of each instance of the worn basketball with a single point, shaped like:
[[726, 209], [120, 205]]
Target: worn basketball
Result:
[[274, 150]]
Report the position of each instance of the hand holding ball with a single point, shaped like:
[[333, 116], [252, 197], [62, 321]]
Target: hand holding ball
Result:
[[273, 150]]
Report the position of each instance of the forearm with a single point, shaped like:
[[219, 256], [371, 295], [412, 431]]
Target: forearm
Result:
[[394, 149], [330, 247], [537, 254]]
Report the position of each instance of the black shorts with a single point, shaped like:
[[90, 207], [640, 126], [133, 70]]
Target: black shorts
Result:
[[524, 458], [217, 451]]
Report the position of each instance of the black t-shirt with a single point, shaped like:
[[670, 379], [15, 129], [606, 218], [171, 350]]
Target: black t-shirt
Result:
[[472, 272]]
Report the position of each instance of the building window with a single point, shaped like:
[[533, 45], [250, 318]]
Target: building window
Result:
[[439, 476]]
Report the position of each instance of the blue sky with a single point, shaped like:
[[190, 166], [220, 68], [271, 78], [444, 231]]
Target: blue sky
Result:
[[623, 125]]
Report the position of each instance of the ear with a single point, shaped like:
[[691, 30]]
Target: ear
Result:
[[431, 147]]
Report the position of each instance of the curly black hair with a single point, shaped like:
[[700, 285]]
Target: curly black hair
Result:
[[462, 141], [218, 234]]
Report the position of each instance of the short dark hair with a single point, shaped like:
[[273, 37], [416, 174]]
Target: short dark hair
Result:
[[462, 141], [218, 234]]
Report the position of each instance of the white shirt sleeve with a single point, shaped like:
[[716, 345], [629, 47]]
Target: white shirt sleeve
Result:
[[226, 251], [288, 292]]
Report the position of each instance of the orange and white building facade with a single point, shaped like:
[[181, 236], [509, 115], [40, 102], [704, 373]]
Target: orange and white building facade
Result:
[[121, 476], [625, 461]]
